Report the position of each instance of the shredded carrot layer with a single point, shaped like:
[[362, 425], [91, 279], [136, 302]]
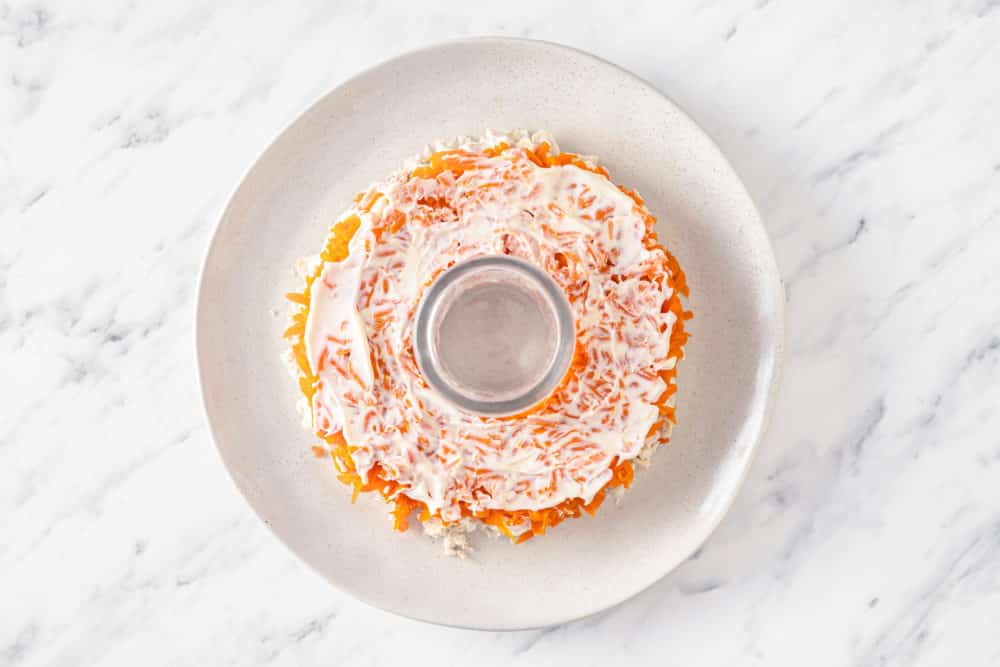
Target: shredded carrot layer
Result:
[[378, 480]]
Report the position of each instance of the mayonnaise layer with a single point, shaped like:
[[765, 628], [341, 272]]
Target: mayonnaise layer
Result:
[[573, 223]]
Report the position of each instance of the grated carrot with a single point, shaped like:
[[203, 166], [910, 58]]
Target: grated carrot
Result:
[[452, 164]]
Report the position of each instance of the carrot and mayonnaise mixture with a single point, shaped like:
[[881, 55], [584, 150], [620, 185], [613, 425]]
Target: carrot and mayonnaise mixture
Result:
[[352, 337]]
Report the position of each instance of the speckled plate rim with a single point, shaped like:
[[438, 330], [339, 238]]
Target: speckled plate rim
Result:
[[770, 267]]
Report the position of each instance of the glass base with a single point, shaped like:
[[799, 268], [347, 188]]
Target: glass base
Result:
[[494, 335]]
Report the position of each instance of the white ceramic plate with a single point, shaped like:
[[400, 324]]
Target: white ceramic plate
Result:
[[362, 131]]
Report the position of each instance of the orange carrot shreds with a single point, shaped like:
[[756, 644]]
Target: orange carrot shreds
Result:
[[669, 413], [401, 510], [494, 151], [540, 521], [395, 219], [368, 200], [622, 474], [543, 152], [360, 371], [534, 157], [337, 246], [591, 508], [453, 161]]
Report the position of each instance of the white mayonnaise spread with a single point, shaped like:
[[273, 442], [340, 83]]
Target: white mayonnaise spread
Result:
[[575, 224]]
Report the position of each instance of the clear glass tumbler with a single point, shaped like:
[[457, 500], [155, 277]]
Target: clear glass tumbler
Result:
[[494, 335]]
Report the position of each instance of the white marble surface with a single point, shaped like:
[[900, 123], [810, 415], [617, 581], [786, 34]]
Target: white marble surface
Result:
[[868, 532]]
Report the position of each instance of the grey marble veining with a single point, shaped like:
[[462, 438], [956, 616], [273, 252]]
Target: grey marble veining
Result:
[[868, 532]]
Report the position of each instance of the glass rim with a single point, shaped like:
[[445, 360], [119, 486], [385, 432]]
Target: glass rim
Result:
[[423, 346]]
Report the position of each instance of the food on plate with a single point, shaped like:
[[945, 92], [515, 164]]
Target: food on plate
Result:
[[352, 348]]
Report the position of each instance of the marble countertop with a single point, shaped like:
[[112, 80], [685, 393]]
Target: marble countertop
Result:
[[868, 532]]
